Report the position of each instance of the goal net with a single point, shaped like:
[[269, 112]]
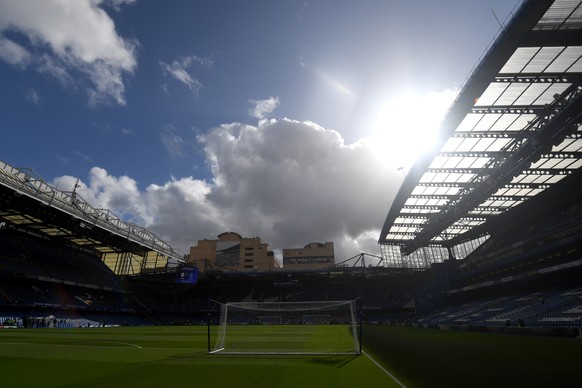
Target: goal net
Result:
[[287, 328]]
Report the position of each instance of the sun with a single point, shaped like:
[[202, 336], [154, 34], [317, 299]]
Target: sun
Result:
[[406, 126]]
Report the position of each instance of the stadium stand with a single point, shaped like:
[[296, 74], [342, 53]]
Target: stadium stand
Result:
[[485, 234]]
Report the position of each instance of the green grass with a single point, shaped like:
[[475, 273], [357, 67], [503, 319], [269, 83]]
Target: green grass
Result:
[[277, 338], [436, 358], [163, 357], [176, 357]]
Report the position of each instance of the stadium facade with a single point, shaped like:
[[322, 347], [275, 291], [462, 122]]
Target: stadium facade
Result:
[[30, 205], [313, 256], [511, 141], [485, 233]]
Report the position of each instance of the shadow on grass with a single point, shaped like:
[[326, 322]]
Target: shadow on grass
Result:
[[338, 361], [350, 359]]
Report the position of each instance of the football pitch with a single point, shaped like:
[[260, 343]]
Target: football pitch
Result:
[[177, 357]]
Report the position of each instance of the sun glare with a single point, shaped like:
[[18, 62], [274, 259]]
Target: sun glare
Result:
[[407, 126]]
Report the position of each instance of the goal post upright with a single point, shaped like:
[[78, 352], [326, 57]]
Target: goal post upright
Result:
[[360, 323], [320, 327], [208, 325]]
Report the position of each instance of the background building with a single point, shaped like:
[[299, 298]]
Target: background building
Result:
[[233, 252], [482, 236], [314, 255]]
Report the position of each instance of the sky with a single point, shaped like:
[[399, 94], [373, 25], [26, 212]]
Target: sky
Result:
[[294, 121]]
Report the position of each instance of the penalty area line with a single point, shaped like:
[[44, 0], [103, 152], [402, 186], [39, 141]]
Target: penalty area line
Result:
[[384, 370]]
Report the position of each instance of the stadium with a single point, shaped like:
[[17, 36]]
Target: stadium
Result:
[[479, 282]]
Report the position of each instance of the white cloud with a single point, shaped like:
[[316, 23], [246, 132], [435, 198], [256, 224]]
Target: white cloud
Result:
[[116, 4], [108, 192], [261, 108], [335, 83], [71, 40], [13, 53], [33, 96], [289, 182], [84, 157], [174, 143], [178, 70]]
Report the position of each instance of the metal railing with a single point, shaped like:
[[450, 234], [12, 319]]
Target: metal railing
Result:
[[28, 183]]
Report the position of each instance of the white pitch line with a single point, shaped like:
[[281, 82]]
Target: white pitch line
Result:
[[77, 345], [123, 343], [384, 370]]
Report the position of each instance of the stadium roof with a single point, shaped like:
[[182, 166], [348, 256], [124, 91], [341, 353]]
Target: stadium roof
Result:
[[512, 133], [27, 202]]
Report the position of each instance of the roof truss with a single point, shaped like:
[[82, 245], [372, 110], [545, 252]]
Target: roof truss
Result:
[[521, 136]]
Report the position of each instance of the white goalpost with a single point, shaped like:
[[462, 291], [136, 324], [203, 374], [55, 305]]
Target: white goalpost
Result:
[[329, 327]]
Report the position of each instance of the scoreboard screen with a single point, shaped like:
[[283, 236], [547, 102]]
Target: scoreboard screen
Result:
[[187, 276]]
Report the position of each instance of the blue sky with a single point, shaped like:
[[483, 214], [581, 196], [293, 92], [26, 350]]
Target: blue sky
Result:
[[283, 119]]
